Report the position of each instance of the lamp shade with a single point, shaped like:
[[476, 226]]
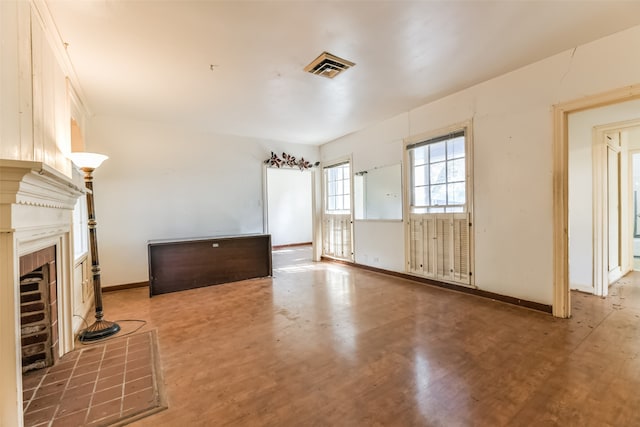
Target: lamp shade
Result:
[[87, 160]]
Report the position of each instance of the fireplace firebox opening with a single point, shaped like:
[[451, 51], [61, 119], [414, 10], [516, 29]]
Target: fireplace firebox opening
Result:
[[38, 309]]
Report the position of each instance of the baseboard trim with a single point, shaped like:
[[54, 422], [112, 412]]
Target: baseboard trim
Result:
[[545, 308], [290, 245], [125, 286]]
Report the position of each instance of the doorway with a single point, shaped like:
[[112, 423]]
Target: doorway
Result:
[[289, 207], [615, 197], [337, 211], [635, 217], [613, 201], [599, 198]]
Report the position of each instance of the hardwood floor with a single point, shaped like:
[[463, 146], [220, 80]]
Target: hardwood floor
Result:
[[325, 344]]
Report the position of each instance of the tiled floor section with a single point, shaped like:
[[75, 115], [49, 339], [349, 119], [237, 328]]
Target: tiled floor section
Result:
[[97, 385]]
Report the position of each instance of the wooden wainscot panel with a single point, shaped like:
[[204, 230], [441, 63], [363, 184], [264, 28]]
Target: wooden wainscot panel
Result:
[[176, 265]]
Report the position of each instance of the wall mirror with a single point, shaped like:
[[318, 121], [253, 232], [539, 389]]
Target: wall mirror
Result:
[[378, 193]]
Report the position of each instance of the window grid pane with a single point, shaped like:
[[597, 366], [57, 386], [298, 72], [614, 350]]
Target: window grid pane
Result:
[[438, 176], [438, 173], [455, 148], [420, 176], [421, 196], [437, 152], [455, 170], [420, 155], [338, 185]]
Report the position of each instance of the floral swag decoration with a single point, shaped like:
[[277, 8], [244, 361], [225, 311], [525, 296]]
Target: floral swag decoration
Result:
[[290, 161]]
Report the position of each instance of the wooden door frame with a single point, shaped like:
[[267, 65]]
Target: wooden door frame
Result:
[[561, 291]]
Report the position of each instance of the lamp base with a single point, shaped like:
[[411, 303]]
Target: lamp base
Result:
[[100, 329]]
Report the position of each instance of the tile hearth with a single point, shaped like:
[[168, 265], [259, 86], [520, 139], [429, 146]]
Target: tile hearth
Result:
[[97, 385]]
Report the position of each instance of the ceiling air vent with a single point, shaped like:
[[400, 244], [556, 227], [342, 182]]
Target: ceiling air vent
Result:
[[328, 65]]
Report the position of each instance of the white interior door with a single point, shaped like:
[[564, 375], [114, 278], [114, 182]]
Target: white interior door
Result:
[[613, 207], [337, 223], [635, 227]]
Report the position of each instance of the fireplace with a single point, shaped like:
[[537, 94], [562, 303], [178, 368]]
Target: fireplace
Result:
[[38, 309], [36, 251]]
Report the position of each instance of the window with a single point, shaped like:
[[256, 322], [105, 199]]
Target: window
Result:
[[338, 189], [439, 231], [80, 228], [438, 174]]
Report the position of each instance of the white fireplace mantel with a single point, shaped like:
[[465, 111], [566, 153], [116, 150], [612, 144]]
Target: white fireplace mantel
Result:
[[35, 183], [36, 204]]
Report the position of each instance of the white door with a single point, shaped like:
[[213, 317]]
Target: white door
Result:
[[439, 192], [613, 207], [635, 227], [337, 223]]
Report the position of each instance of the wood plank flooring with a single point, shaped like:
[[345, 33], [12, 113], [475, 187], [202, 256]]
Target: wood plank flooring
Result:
[[322, 344]]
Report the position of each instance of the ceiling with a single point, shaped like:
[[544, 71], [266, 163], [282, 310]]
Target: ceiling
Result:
[[236, 67]]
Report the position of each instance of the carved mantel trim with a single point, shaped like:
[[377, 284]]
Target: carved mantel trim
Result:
[[36, 184]]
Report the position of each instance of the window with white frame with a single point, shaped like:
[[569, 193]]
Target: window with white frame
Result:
[[439, 227], [438, 174], [338, 189], [80, 228]]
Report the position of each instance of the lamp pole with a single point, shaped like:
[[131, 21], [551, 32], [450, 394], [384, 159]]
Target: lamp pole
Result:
[[100, 328]]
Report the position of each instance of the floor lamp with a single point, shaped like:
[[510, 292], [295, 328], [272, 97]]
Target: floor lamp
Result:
[[88, 162]]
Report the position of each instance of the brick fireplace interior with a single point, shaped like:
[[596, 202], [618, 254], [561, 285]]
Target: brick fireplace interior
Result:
[[38, 309], [36, 271]]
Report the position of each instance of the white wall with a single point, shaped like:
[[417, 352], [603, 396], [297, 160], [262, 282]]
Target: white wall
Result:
[[378, 145], [289, 206], [163, 181], [633, 134], [513, 162], [581, 126], [382, 194]]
